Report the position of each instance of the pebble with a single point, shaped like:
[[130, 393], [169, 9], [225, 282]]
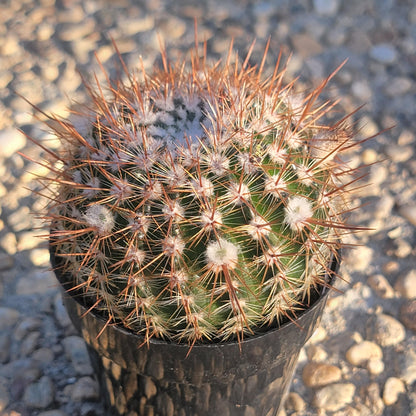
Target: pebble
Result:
[[85, 389], [373, 400], [381, 286], [359, 259], [8, 243], [40, 394], [8, 317], [385, 330], [294, 402], [319, 374], [384, 53], [334, 397], [76, 350], [384, 206], [316, 353], [362, 353], [400, 154], [408, 314], [43, 356], [398, 86], [392, 390], [409, 212], [405, 366], [37, 282], [61, 313], [305, 45], [326, 7], [375, 366], [406, 285]]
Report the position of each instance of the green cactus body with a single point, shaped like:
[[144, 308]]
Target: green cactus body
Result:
[[199, 206]]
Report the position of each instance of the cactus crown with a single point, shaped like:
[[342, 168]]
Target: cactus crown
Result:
[[199, 204]]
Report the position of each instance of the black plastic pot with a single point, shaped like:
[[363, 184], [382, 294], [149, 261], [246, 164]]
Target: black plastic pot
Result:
[[166, 379]]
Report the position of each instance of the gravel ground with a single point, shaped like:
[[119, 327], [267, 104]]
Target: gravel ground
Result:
[[362, 360]]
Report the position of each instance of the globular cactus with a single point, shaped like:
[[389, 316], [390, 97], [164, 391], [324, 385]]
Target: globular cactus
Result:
[[199, 204]]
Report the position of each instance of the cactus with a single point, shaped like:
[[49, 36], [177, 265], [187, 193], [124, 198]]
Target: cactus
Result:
[[199, 204]]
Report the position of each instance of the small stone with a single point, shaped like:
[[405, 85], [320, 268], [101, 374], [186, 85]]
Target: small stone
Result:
[[375, 366], [29, 344], [409, 213], [318, 335], [372, 400], [392, 390], [40, 394], [43, 356], [385, 330], [10, 45], [76, 350], [8, 317], [25, 326], [28, 240], [295, 402], [318, 374], [359, 259], [361, 353], [405, 366], [61, 313], [305, 45], [85, 389], [383, 53], [369, 156], [334, 397], [384, 207], [391, 267], [326, 7], [381, 286], [72, 32], [11, 140], [361, 90], [39, 257], [316, 353], [9, 243], [134, 25], [37, 282], [399, 154], [406, 285], [408, 314], [398, 86]]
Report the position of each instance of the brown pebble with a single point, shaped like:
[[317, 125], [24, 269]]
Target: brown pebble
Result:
[[408, 314], [318, 374]]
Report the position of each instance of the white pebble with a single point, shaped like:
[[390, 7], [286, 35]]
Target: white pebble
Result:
[[361, 353], [392, 390], [406, 285], [383, 53], [381, 286], [11, 140], [334, 396]]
